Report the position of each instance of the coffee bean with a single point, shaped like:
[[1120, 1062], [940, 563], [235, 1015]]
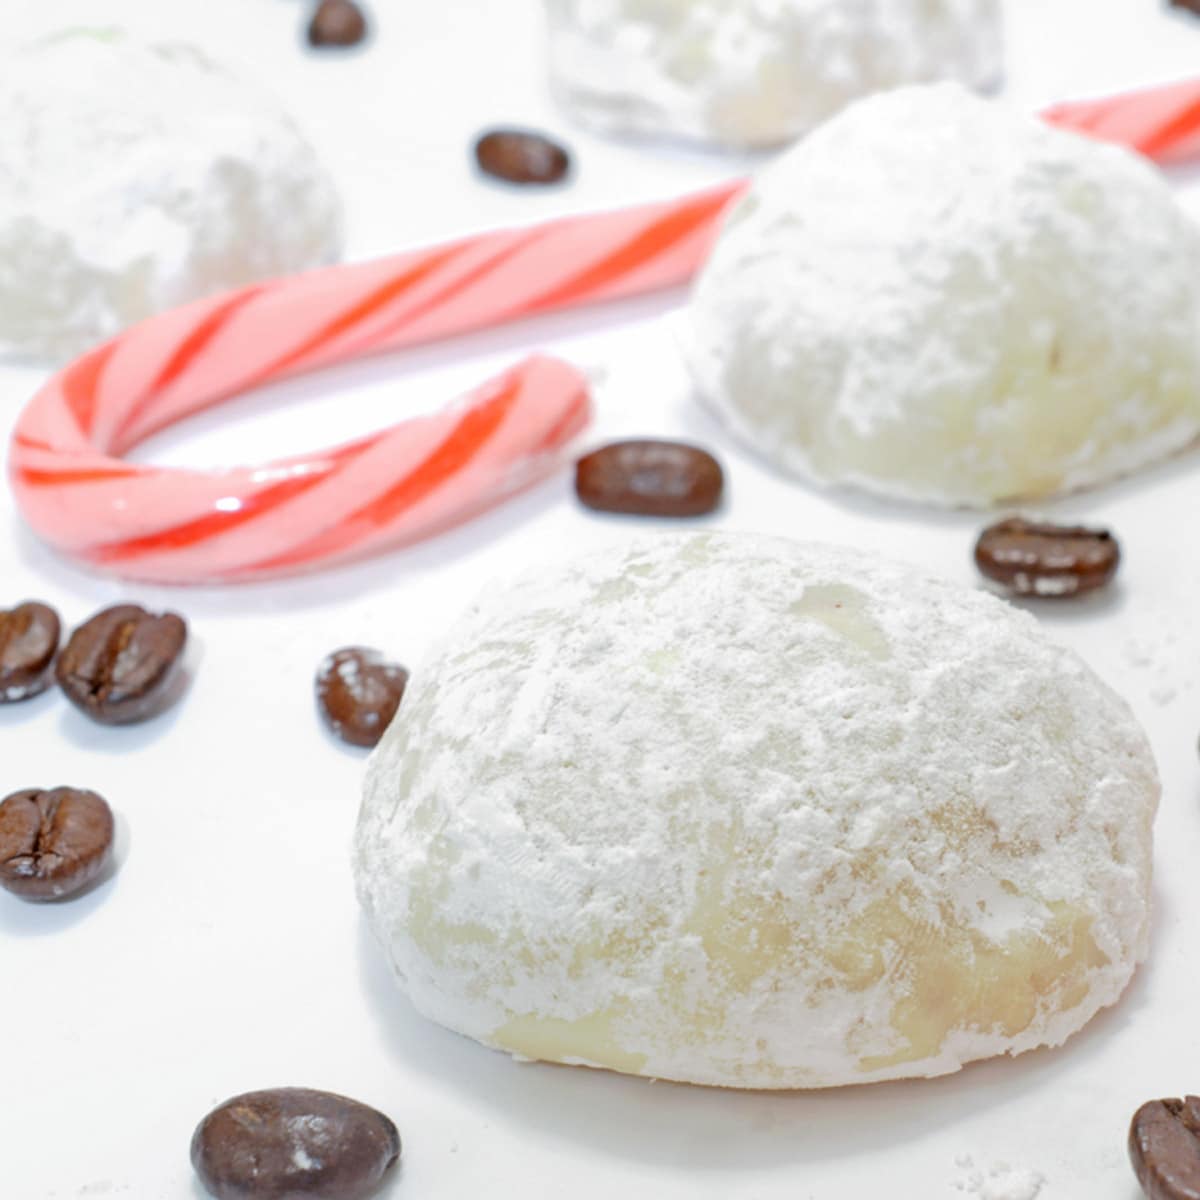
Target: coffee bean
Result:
[[29, 637], [288, 1143], [337, 23], [1192, 6], [120, 666], [53, 843], [1036, 559], [1164, 1146], [652, 478], [521, 156], [358, 693]]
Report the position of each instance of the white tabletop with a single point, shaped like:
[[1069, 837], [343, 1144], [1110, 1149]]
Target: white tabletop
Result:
[[227, 952]]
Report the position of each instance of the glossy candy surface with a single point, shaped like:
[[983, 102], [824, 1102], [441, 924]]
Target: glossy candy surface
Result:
[[417, 478]]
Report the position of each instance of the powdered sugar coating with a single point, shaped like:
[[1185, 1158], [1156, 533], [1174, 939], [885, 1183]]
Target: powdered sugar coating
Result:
[[136, 177], [757, 72], [747, 812], [938, 299]]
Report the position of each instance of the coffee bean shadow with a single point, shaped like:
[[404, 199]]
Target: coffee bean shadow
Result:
[[347, 748], [1106, 602], [665, 1124], [36, 708], [86, 734], [25, 918], [384, 1188]]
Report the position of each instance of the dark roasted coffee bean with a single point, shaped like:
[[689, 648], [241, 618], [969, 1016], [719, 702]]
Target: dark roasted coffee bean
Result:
[[120, 666], [653, 478], [28, 641], [288, 1143], [1036, 559], [1164, 1146], [358, 692], [521, 156], [337, 23], [53, 843]]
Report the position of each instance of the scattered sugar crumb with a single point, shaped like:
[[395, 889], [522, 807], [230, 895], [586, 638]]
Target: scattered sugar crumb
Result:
[[1000, 1182], [1161, 656]]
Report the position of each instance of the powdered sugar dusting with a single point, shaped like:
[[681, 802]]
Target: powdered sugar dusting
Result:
[[935, 298], [757, 72], [739, 811], [1000, 1182]]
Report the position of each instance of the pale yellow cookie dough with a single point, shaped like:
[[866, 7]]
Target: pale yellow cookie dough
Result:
[[746, 812], [939, 299]]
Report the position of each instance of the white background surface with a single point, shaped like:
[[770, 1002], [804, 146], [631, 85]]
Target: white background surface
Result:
[[227, 952]]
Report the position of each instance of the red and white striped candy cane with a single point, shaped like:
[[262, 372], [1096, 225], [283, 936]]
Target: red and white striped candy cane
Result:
[[394, 487], [1161, 122], [413, 479]]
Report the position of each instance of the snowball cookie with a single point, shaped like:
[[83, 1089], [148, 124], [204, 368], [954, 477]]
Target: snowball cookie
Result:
[[934, 298], [135, 177], [749, 73], [739, 811]]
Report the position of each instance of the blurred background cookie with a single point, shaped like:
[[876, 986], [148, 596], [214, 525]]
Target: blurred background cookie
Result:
[[749, 73], [135, 177]]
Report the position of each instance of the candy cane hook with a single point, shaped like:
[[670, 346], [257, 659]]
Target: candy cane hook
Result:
[[413, 479]]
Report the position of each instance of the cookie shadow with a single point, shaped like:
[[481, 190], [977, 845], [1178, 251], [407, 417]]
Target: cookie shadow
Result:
[[1077, 507], [667, 1124]]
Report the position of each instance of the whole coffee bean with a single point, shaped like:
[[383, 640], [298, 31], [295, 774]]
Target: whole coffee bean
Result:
[[1164, 1146], [29, 637], [1036, 559], [293, 1143], [358, 692], [521, 156], [53, 843], [652, 478], [337, 23], [119, 667]]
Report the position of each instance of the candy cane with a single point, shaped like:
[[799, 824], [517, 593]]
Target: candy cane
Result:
[[1161, 122], [389, 489], [416, 478]]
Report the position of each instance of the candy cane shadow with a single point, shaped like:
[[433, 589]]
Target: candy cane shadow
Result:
[[666, 1124], [335, 404], [27, 918], [313, 589], [505, 523]]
